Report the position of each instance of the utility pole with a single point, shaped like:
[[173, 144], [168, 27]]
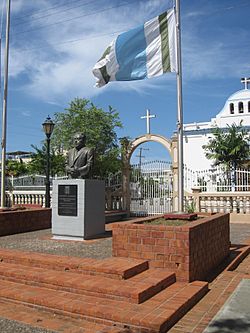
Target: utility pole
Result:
[[4, 114], [141, 156]]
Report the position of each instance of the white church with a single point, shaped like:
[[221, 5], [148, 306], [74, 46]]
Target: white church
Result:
[[195, 135]]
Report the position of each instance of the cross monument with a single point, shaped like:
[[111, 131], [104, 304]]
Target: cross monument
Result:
[[148, 117], [246, 81]]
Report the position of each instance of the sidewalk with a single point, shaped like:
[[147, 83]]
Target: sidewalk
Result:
[[235, 314], [224, 285], [196, 320]]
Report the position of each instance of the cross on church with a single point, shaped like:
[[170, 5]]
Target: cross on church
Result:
[[148, 117], [246, 81]]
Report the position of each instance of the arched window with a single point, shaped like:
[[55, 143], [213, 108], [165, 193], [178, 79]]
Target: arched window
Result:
[[231, 107], [241, 107], [249, 106]]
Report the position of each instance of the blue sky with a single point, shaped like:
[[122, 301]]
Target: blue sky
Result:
[[55, 43]]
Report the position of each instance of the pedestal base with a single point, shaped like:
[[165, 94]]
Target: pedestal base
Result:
[[78, 207]]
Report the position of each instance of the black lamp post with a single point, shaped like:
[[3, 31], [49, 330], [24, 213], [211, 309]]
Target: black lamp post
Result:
[[48, 127]]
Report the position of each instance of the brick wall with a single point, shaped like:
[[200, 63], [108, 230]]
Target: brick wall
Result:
[[210, 245], [14, 222], [191, 250]]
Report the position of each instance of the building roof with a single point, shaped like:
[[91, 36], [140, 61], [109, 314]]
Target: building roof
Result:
[[235, 110], [18, 153], [240, 95]]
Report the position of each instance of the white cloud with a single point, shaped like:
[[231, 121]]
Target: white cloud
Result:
[[216, 56], [26, 113], [64, 70], [61, 71]]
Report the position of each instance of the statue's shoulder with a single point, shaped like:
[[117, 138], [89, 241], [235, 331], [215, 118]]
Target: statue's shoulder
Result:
[[71, 150], [90, 149]]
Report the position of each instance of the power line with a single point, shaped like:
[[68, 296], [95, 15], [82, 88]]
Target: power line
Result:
[[57, 12], [35, 12], [235, 7], [74, 18], [72, 41], [106, 9], [82, 39]]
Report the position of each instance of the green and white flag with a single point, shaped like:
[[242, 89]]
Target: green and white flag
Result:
[[143, 52]]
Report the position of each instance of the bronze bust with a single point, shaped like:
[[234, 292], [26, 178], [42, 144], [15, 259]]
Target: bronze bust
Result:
[[80, 158]]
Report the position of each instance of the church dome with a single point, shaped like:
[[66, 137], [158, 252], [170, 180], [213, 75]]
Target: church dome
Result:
[[240, 95], [238, 104]]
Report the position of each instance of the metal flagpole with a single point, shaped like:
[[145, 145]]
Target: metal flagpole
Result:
[[179, 110], [4, 114]]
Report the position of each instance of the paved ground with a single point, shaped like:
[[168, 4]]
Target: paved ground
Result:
[[11, 326], [40, 241], [239, 232], [235, 314]]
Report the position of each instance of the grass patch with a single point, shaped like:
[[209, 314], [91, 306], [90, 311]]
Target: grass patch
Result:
[[162, 221]]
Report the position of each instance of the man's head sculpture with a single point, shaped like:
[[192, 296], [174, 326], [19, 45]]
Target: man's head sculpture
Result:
[[79, 140]]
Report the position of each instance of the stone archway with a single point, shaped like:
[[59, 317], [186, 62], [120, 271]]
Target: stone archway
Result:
[[129, 148], [151, 137]]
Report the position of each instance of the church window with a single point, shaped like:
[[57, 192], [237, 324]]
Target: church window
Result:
[[231, 106], [241, 107], [249, 106]]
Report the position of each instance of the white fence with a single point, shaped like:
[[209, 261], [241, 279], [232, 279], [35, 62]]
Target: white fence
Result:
[[213, 190], [217, 180]]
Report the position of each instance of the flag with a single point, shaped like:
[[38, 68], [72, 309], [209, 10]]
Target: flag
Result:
[[143, 52]]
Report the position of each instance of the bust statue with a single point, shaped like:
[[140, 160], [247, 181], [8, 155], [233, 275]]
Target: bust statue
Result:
[[80, 158]]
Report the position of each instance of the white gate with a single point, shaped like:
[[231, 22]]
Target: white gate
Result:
[[151, 188]]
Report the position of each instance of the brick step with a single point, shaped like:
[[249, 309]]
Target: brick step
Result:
[[117, 268], [148, 283], [157, 314], [40, 319]]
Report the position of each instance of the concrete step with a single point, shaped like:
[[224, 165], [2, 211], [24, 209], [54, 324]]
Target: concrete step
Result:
[[147, 284], [157, 314], [116, 268]]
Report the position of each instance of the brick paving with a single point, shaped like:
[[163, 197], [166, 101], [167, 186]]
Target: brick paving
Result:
[[113, 291], [38, 320]]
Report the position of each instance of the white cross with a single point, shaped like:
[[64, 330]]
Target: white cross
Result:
[[245, 80], [148, 117]]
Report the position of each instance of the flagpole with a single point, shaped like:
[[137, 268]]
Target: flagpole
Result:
[[179, 110], [4, 114]]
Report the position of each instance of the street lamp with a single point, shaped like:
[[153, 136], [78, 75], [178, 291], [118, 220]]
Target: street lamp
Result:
[[48, 127]]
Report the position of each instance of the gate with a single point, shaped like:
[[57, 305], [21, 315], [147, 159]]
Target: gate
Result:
[[151, 189]]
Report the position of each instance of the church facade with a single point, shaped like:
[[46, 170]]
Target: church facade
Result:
[[195, 135]]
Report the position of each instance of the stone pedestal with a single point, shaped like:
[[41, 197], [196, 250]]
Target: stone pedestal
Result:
[[78, 209]]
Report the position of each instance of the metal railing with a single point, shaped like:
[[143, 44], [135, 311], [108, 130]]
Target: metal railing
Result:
[[217, 180], [151, 188]]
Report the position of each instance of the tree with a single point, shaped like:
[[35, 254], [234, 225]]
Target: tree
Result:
[[229, 148], [99, 127], [38, 162], [16, 168]]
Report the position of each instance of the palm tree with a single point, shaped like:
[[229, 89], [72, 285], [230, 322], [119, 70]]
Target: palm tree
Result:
[[16, 168], [229, 148], [37, 165]]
